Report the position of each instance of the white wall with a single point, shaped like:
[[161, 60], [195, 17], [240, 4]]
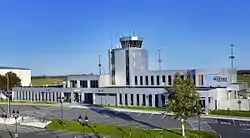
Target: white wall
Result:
[[24, 75], [234, 105], [120, 67], [104, 80]]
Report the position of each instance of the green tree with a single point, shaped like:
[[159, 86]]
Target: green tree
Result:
[[3, 82], [9, 80], [184, 102]]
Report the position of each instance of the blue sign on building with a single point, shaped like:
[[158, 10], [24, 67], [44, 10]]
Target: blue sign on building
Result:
[[215, 77]]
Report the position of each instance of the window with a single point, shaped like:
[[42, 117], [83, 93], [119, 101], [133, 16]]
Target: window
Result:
[[141, 80], [163, 79], [136, 80], [143, 100], [150, 100], [131, 99], [152, 80], [200, 79], [126, 99], [169, 80], [73, 83], [46, 96], [194, 79], [57, 96], [112, 65], [49, 96], [83, 83], [29, 95], [138, 99], [36, 99], [157, 80], [94, 84], [120, 96], [39, 96], [146, 80], [127, 68]]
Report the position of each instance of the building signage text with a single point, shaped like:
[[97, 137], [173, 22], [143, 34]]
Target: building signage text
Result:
[[220, 79]]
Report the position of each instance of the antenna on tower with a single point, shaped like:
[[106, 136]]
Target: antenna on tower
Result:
[[100, 65], [133, 30], [111, 41], [118, 40], [231, 57], [159, 58], [103, 70]]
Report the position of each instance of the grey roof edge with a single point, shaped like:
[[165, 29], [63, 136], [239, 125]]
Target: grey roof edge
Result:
[[8, 67]]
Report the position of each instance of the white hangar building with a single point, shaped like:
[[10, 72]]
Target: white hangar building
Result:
[[131, 83], [23, 73]]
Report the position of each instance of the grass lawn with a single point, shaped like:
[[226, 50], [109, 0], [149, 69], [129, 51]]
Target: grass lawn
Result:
[[244, 79], [132, 107], [39, 81], [231, 113], [123, 131]]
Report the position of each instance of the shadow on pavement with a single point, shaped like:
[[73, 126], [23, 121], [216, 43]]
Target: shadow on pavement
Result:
[[121, 115]]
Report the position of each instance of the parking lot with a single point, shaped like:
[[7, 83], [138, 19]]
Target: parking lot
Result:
[[144, 120]]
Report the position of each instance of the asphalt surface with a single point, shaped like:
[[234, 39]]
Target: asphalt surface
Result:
[[224, 127]]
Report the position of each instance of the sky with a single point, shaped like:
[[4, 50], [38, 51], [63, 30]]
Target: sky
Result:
[[61, 37]]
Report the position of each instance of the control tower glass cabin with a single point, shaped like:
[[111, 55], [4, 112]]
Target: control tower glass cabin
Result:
[[131, 42]]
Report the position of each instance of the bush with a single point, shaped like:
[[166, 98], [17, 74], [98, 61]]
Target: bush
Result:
[[231, 113]]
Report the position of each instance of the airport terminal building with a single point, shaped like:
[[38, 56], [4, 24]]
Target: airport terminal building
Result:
[[131, 83]]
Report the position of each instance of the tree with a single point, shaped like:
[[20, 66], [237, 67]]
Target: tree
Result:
[[184, 100], [9, 80]]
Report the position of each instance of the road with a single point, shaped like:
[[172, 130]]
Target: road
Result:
[[240, 129]]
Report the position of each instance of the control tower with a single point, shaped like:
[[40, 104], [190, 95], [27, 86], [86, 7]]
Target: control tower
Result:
[[125, 61], [131, 42]]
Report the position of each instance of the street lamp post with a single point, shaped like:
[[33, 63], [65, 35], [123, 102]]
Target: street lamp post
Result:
[[199, 120], [61, 99], [130, 133], [16, 116], [199, 117], [81, 123], [162, 133], [8, 96]]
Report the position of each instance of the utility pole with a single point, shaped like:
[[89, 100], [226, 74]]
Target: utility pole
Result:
[[8, 94], [231, 57], [159, 59], [100, 65]]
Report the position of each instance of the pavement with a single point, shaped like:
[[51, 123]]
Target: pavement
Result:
[[238, 127]]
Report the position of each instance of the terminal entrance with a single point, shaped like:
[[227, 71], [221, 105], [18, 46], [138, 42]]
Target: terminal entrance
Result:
[[67, 97], [77, 97], [202, 103], [88, 98]]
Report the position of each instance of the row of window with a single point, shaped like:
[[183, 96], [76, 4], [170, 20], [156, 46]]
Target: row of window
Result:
[[139, 80], [84, 84], [42, 96], [158, 100], [131, 102], [161, 80]]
